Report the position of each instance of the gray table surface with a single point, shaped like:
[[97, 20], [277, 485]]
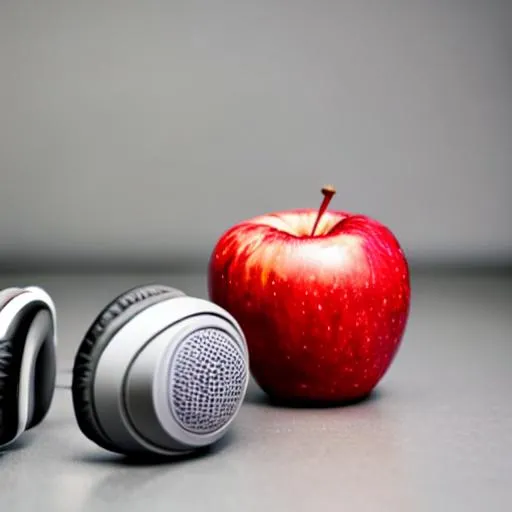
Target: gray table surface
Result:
[[435, 436]]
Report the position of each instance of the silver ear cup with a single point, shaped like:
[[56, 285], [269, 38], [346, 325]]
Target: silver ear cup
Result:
[[185, 389], [172, 379]]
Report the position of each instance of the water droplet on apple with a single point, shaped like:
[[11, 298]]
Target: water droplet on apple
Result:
[[319, 307]]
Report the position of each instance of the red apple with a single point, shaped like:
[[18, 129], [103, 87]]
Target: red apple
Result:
[[322, 296]]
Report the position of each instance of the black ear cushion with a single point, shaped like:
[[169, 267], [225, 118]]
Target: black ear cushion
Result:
[[96, 339], [9, 370], [7, 391], [43, 383]]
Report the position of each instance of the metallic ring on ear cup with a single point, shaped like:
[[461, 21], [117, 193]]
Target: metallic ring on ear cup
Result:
[[170, 379], [27, 360]]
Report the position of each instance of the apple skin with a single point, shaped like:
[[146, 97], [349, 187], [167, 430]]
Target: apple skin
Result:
[[323, 315]]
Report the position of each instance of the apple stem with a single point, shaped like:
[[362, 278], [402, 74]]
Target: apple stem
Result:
[[328, 191]]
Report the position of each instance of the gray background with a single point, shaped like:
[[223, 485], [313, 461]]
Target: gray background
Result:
[[136, 132]]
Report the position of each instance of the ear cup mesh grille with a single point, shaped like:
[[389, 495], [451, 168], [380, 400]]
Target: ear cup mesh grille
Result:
[[207, 381]]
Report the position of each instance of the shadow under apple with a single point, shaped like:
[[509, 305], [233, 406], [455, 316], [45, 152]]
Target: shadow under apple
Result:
[[257, 396]]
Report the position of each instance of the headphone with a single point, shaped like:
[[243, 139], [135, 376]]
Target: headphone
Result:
[[156, 372], [28, 343]]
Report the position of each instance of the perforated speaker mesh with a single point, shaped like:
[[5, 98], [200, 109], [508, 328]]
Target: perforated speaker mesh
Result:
[[207, 380]]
